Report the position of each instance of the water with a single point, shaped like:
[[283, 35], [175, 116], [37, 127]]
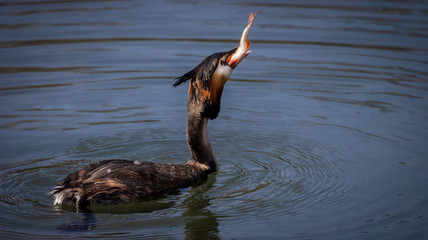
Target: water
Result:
[[322, 134]]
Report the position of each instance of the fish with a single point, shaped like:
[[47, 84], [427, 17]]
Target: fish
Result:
[[242, 50]]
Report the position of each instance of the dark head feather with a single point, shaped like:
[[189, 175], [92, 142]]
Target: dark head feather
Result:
[[204, 70]]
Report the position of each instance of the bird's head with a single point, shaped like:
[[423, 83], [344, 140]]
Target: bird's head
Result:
[[207, 81]]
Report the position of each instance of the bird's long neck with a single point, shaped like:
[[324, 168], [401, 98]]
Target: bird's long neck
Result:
[[202, 154], [205, 89]]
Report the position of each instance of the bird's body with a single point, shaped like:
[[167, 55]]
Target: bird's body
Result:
[[117, 181]]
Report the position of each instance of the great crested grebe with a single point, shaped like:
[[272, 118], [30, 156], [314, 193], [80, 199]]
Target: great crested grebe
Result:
[[117, 181]]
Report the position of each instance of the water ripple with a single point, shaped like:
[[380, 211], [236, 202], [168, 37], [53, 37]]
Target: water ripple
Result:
[[322, 132], [300, 174], [26, 43]]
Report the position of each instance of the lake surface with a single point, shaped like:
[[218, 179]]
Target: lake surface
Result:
[[323, 132]]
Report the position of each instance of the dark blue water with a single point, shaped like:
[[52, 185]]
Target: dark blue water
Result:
[[322, 134]]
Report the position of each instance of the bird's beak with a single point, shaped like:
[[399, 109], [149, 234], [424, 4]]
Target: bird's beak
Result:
[[242, 51], [237, 57]]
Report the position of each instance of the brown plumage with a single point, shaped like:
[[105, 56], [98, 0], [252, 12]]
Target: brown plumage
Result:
[[115, 181]]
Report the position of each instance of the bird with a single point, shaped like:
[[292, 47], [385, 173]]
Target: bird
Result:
[[116, 181]]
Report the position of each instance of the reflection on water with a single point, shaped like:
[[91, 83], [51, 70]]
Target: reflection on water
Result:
[[203, 223], [87, 223], [322, 131]]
